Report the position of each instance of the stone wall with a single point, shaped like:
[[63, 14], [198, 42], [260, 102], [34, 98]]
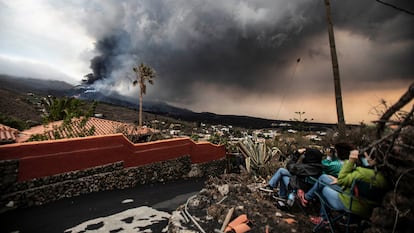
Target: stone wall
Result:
[[8, 173], [48, 158], [107, 177]]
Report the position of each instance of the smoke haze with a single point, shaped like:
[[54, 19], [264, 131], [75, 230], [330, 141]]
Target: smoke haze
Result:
[[261, 58]]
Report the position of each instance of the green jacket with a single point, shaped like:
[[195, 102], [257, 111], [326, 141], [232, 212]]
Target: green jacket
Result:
[[347, 174]]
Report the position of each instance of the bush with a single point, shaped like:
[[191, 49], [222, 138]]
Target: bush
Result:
[[12, 122]]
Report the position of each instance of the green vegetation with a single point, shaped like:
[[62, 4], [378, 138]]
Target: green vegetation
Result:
[[69, 129], [195, 137], [65, 108], [257, 156], [13, 122], [218, 139]]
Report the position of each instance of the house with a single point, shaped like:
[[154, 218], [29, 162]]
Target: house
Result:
[[8, 134], [81, 127]]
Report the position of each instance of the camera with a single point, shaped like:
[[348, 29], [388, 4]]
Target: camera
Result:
[[362, 158]]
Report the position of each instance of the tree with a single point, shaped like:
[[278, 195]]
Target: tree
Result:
[[65, 108], [299, 122], [404, 100], [55, 109], [143, 73]]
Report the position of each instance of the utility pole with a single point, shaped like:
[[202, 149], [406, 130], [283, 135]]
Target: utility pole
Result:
[[335, 68]]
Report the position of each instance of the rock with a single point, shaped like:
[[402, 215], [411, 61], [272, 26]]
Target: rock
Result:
[[10, 204]]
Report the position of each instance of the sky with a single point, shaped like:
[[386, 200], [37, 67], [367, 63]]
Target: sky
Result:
[[262, 58]]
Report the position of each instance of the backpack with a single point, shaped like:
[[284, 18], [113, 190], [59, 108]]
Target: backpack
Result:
[[309, 166]]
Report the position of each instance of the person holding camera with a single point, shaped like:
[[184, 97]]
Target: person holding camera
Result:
[[332, 165], [358, 166], [303, 163]]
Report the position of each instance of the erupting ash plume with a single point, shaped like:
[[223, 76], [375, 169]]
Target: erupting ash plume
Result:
[[244, 48], [242, 44], [238, 53], [111, 49]]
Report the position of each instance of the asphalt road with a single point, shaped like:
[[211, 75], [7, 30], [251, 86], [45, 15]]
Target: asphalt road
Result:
[[67, 213]]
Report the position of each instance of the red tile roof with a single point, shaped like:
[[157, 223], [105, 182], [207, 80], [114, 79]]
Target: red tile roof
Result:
[[92, 127], [7, 134]]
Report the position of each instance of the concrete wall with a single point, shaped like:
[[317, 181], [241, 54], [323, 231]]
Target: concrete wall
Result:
[[39, 172], [106, 177], [47, 158]]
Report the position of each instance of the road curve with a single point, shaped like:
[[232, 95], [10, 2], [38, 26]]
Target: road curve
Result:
[[95, 211]]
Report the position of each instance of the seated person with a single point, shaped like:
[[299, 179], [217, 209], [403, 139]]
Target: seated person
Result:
[[332, 164], [306, 160], [354, 168], [331, 167]]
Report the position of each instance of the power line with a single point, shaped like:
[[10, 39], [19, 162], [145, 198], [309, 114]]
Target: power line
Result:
[[288, 86], [395, 7]]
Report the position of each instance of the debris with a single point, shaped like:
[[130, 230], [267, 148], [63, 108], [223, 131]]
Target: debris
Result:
[[190, 216], [245, 198], [10, 204], [290, 215], [239, 224], [223, 189], [289, 220], [224, 198], [127, 201], [227, 219]]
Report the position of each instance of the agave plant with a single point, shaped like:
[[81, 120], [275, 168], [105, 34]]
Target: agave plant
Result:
[[256, 154]]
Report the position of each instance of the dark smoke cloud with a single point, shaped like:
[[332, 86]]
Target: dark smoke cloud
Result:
[[375, 20], [110, 48], [242, 44]]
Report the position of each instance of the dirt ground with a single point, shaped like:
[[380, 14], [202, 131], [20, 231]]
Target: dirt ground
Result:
[[242, 193]]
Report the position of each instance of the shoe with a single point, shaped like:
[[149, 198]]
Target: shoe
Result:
[[267, 188], [318, 220], [281, 205], [301, 197]]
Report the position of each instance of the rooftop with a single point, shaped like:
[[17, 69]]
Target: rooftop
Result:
[[8, 134], [79, 127]]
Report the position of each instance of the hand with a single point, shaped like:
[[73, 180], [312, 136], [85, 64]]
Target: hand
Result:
[[334, 179], [353, 155], [301, 150]]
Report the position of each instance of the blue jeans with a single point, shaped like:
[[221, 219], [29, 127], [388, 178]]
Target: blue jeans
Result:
[[332, 197], [323, 180], [281, 178], [328, 192]]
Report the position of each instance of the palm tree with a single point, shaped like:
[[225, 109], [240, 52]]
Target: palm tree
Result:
[[143, 73]]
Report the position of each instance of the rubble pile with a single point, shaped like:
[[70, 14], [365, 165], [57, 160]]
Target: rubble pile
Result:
[[239, 191]]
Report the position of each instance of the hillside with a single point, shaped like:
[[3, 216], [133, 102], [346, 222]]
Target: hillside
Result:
[[17, 105], [38, 86], [14, 105], [119, 108], [16, 102]]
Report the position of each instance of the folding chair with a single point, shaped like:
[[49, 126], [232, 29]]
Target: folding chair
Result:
[[362, 191], [308, 181]]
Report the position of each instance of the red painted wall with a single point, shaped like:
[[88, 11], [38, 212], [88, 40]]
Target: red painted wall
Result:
[[46, 158]]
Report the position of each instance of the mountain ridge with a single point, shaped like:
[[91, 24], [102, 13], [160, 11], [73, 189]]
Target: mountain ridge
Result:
[[60, 88]]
